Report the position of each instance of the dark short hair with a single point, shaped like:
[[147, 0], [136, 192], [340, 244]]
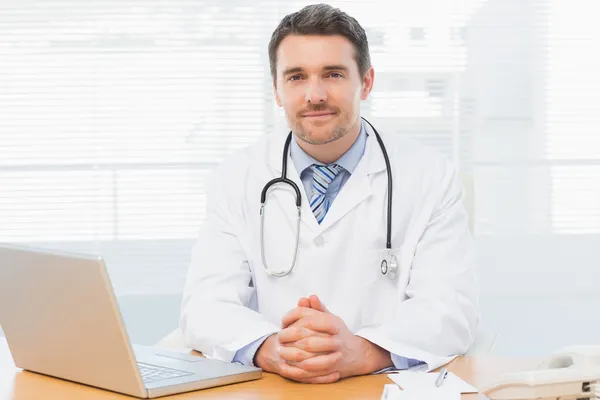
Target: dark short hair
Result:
[[321, 19]]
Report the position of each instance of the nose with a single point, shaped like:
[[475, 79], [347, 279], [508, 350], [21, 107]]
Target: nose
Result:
[[315, 92]]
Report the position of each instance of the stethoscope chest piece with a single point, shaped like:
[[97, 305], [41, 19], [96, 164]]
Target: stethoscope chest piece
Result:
[[389, 266]]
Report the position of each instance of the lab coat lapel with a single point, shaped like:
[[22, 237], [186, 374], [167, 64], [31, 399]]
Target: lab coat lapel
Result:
[[358, 187], [275, 155], [356, 190]]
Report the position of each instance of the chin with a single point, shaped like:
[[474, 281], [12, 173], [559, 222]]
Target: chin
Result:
[[319, 138], [319, 134]]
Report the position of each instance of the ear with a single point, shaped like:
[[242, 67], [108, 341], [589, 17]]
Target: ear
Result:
[[368, 81], [277, 99]]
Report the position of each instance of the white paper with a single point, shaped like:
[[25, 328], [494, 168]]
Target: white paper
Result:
[[419, 381], [393, 392]]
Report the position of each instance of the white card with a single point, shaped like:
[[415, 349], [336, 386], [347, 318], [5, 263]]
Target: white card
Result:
[[393, 392], [418, 381]]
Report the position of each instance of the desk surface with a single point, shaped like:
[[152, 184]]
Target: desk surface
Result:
[[16, 384]]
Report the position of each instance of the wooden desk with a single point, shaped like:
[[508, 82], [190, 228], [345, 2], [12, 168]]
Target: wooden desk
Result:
[[16, 384]]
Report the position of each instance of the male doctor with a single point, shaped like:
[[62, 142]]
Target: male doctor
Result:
[[335, 315]]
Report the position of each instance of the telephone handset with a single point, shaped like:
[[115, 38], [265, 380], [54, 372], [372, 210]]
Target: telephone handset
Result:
[[571, 374]]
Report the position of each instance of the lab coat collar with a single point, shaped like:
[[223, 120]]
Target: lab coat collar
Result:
[[356, 190]]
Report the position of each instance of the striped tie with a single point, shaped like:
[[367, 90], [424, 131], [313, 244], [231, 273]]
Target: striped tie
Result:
[[323, 175]]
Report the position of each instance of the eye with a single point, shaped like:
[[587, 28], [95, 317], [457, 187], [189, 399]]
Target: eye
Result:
[[336, 75], [295, 78]]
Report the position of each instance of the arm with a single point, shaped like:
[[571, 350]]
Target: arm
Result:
[[217, 293], [441, 313], [246, 355]]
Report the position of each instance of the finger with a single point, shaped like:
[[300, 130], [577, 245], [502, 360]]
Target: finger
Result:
[[304, 302], [297, 332], [298, 374], [294, 355], [315, 320], [316, 344], [330, 378], [316, 304], [322, 323], [295, 314], [323, 363]]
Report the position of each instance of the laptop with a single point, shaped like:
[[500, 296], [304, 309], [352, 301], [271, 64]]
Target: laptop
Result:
[[60, 317]]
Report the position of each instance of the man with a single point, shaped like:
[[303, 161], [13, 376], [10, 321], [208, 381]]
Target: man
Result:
[[335, 314]]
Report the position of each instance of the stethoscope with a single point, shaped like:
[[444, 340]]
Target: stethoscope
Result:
[[389, 265]]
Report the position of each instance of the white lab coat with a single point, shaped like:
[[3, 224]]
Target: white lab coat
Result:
[[429, 311]]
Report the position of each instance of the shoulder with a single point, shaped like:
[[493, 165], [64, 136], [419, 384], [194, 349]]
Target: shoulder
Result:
[[238, 164], [241, 172], [423, 172], [406, 153], [421, 168]]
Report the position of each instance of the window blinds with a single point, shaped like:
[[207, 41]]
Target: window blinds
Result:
[[113, 113]]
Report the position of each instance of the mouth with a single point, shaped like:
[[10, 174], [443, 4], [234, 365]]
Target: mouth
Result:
[[318, 115]]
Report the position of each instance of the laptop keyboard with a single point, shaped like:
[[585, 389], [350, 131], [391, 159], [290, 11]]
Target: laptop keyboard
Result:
[[152, 373]]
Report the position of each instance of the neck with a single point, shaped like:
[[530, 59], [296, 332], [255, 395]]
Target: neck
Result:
[[330, 152]]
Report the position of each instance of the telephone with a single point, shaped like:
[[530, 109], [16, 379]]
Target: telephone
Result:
[[571, 374]]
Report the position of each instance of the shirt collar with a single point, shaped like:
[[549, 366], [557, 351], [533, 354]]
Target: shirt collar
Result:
[[349, 160]]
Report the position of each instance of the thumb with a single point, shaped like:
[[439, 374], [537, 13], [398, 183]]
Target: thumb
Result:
[[316, 304], [304, 302]]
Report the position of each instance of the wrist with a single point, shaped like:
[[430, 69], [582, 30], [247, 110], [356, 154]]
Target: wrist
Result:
[[266, 355], [376, 358]]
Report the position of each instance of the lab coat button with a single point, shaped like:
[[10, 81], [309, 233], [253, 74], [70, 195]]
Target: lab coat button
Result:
[[319, 241]]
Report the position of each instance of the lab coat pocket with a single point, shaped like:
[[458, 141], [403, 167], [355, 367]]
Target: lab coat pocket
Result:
[[382, 295]]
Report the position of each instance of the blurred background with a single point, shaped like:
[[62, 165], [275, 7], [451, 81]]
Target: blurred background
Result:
[[112, 113]]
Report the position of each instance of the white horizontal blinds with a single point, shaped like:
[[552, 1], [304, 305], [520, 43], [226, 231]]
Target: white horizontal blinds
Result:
[[126, 203], [572, 120], [113, 113], [576, 199]]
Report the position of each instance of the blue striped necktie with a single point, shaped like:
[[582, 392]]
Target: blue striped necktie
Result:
[[323, 175]]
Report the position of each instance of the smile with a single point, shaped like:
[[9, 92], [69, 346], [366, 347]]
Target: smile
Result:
[[318, 115]]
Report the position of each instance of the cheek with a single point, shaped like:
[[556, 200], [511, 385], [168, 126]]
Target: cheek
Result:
[[347, 99], [290, 108], [290, 102]]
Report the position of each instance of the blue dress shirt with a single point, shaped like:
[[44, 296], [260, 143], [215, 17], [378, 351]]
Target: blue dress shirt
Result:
[[303, 162]]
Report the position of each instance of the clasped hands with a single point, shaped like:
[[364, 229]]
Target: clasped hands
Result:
[[315, 346]]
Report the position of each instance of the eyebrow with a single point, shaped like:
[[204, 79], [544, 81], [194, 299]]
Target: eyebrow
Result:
[[295, 70], [336, 68]]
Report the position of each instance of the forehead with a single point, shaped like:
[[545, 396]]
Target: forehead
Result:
[[315, 52]]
